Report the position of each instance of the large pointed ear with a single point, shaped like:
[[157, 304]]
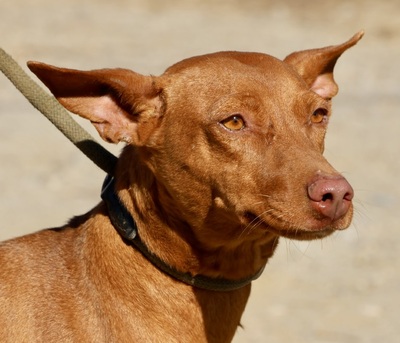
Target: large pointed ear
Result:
[[121, 104], [316, 66]]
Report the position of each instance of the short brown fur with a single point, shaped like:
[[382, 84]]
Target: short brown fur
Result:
[[223, 155]]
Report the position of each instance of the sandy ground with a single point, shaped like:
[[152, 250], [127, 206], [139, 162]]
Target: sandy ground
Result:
[[342, 289]]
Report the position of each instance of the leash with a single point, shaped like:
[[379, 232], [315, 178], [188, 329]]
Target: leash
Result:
[[57, 114]]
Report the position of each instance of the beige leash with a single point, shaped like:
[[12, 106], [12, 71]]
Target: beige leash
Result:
[[57, 114]]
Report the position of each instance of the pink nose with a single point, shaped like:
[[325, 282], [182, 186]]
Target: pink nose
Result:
[[331, 197]]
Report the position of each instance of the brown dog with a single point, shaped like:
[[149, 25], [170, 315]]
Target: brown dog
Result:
[[223, 156]]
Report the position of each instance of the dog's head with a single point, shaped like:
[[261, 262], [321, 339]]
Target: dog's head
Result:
[[234, 140]]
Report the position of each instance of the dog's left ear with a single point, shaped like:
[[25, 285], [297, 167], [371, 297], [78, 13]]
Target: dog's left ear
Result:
[[316, 66], [121, 104]]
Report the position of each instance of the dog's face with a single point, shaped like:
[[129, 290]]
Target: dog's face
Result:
[[243, 135], [234, 140]]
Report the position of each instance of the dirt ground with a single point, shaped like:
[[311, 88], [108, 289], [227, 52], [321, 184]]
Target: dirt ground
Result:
[[343, 289]]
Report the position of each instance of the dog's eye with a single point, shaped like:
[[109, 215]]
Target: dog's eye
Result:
[[234, 123], [319, 116]]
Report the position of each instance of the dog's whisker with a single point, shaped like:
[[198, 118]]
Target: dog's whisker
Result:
[[258, 221]]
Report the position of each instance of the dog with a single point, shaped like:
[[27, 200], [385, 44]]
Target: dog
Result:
[[222, 156]]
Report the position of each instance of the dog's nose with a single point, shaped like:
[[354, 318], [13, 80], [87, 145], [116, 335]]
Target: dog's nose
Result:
[[331, 196]]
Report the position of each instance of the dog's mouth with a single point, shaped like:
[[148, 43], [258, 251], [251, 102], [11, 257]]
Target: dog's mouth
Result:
[[310, 229]]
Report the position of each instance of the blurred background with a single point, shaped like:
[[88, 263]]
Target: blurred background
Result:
[[342, 289]]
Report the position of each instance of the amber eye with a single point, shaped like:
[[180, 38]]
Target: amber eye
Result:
[[234, 123], [319, 116]]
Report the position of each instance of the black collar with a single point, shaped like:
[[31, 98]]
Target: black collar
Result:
[[127, 228]]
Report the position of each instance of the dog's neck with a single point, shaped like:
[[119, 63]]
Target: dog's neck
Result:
[[126, 226], [173, 242]]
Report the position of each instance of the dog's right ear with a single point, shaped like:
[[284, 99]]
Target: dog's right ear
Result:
[[121, 104]]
